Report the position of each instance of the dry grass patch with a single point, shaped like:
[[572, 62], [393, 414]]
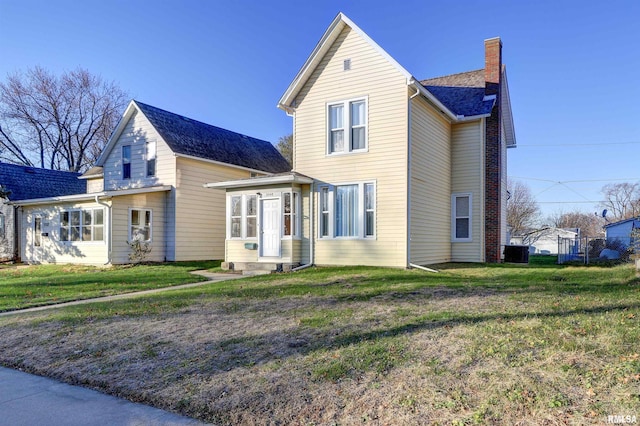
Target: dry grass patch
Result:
[[492, 345]]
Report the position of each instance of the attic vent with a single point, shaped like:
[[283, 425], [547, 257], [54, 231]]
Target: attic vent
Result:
[[29, 170], [347, 64]]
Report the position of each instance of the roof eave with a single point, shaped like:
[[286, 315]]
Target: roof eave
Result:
[[261, 181], [90, 196], [507, 114]]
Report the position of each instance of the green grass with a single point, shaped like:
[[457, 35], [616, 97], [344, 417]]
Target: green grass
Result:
[[22, 287], [472, 344]]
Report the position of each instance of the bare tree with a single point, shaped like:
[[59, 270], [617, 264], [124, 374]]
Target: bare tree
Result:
[[285, 147], [590, 225], [56, 122], [522, 208], [622, 200]]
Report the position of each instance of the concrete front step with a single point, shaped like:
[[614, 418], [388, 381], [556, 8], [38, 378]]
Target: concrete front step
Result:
[[258, 267], [256, 272]]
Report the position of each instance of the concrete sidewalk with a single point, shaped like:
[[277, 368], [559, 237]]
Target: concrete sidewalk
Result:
[[212, 277], [26, 399]]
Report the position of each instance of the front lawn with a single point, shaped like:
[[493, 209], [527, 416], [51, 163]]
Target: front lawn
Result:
[[473, 344], [27, 286]]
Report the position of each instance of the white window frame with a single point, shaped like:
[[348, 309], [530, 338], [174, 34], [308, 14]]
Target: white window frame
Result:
[[330, 210], [454, 199], [348, 126], [295, 214], [151, 155], [128, 162], [143, 212], [244, 198], [81, 226], [2, 226]]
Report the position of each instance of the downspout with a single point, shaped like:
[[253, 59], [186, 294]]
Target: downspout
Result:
[[109, 221], [311, 232], [409, 141], [17, 232]]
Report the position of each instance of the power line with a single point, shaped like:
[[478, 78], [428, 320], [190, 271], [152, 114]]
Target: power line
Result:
[[577, 144], [575, 181]]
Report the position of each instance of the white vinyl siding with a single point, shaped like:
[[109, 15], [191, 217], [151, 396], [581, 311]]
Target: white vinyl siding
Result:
[[200, 218], [136, 133], [384, 160], [430, 184], [467, 176], [52, 248]]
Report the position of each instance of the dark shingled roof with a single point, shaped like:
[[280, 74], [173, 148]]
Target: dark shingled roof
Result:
[[25, 183], [462, 94], [190, 137]]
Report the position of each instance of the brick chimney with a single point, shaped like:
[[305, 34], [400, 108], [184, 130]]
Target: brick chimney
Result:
[[492, 65], [493, 152]]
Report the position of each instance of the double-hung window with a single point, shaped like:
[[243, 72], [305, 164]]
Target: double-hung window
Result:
[[82, 225], [243, 211], [347, 124], [291, 201], [151, 158], [461, 208], [126, 162], [2, 225], [140, 221], [347, 211]]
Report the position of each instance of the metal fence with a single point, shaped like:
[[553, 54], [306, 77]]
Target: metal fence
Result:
[[589, 250]]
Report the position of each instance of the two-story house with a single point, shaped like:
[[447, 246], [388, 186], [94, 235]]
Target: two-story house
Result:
[[388, 169], [147, 184]]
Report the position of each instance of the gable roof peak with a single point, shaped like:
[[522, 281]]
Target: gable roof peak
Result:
[[322, 47]]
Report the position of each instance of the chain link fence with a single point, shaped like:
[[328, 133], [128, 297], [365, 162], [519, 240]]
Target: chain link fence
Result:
[[589, 250]]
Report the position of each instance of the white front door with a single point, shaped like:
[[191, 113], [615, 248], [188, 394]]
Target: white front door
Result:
[[270, 227]]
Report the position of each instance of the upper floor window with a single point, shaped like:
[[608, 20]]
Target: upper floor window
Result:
[[348, 210], [151, 158], [347, 122], [126, 162], [461, 209], [82, 225]]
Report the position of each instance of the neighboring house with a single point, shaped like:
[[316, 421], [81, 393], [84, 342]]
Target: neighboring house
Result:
[[544, 240], [23, 182], [621, 231], [148, 184], [388, 169]]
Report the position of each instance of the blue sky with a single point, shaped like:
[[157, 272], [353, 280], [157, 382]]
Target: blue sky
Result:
[[572, 67]]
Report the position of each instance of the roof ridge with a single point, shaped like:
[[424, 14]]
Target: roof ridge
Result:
[[195, 120], [452, 75]]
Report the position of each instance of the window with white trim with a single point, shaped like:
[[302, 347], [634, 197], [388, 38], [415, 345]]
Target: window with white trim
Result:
[[243, 216], [347, 211], [251, 215], [140, 221], [291, 201], [347, 125], [461, 208], [236, 216], [151, 158], [126, 162], [2, 225], [82, 225]]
